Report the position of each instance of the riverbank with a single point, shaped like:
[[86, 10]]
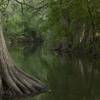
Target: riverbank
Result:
[[78, 52], [60, 48]]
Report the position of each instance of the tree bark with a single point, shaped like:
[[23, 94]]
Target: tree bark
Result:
[[14, 81]]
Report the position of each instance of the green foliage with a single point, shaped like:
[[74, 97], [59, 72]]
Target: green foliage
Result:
[[60, 22], [71, 20]]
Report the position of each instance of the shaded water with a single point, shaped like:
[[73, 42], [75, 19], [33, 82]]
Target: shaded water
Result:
[[68, 77]]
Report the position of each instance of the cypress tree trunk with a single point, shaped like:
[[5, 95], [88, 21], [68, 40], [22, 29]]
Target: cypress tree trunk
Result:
[[14, 81]]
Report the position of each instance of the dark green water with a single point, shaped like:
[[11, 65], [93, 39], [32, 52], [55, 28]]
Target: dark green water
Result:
[[68, 77]]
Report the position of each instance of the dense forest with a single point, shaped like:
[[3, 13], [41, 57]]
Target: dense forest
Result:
[[63, 25], [58, 41]]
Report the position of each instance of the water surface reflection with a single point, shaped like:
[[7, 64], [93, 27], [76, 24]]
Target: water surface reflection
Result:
[[68, 77]]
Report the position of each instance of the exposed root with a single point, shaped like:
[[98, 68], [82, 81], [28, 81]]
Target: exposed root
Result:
[[14, 81]]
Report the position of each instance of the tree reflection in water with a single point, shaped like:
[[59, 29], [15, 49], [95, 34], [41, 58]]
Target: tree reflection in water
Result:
[[68, 77]]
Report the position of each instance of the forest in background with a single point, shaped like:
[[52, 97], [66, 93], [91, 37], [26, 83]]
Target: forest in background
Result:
[[61, 25]]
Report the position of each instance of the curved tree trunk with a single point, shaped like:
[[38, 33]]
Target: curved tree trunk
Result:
[[14, 81]]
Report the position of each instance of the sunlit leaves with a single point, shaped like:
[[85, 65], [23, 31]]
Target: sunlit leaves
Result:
[[3, 4]]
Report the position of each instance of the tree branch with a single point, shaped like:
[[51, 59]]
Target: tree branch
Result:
[[35, 9]]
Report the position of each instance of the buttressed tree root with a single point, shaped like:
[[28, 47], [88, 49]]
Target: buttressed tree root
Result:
[[14, 81]]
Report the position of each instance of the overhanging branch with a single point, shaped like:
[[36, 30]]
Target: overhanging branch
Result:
[[35, 9]]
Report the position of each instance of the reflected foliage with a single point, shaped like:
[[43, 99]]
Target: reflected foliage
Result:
[[67, 76]]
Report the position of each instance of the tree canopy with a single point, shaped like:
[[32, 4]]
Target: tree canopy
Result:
[[67, 23]]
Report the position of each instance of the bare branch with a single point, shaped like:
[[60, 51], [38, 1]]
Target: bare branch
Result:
[[35, 9]]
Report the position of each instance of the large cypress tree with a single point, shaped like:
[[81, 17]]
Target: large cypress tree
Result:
[[14, 81]]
